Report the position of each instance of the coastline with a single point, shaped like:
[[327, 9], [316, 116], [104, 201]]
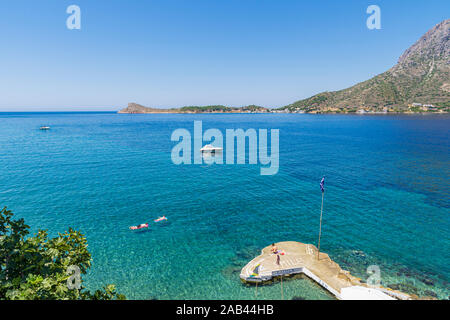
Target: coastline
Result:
[[134, 108], [313, 113], [299, 258]]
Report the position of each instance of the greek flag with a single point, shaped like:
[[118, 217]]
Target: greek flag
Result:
[[322, 182]]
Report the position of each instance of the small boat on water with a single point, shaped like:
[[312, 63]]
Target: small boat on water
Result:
[[210, 148], [44, 128]]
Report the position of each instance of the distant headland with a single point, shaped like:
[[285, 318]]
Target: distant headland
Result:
[[418, 83], [137, 108]]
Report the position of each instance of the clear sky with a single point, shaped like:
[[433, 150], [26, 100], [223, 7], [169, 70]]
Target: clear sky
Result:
[[168, 53]]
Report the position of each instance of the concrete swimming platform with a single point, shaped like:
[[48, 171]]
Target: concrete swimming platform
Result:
[[300, 258]]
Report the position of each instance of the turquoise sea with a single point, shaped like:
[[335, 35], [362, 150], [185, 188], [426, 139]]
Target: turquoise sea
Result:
[[387, 199]]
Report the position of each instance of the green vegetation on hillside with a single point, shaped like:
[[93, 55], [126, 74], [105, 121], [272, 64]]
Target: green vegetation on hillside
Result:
[[221, 108], [421, 76], [216, 108], [253, 108]]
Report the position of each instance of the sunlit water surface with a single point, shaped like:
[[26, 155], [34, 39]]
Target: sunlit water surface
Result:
[[386, 202]]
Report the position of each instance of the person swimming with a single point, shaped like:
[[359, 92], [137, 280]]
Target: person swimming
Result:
[[141, 226], [160, 219]]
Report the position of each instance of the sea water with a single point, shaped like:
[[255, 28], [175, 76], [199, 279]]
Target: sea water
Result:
[[386, 201]]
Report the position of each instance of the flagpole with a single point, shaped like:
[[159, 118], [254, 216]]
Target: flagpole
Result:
[[320, 227]]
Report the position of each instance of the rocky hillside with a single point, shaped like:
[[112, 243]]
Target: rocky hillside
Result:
[[137, 108], [420, 81]]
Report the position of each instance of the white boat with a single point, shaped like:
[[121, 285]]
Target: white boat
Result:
[[45, 128], [210, 148]]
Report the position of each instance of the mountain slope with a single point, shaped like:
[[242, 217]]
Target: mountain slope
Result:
[[421, 76]]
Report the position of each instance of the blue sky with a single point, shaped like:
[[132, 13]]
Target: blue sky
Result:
[[169, 53]]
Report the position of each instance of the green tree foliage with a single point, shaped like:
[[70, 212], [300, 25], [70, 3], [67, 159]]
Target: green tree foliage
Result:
[[36, 267], [218, 108]]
